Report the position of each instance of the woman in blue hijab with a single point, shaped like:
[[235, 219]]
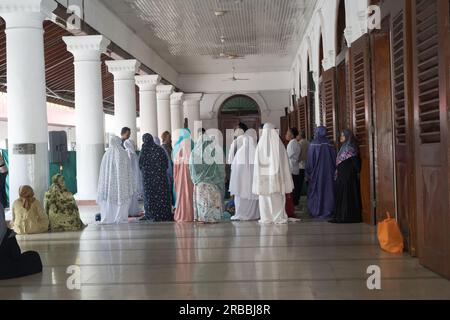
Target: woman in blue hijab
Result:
[[320, 172]]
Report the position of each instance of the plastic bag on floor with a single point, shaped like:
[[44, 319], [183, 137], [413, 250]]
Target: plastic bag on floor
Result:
[[389, 235]]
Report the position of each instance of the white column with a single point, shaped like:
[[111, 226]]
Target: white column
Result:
[[192, 110], [26, 99], [124, 94], [89, 119], [163, 94], [147, 103], [176, 110]]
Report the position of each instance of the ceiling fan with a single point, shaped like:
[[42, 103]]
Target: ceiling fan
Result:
[[223, 54], [234, 78]]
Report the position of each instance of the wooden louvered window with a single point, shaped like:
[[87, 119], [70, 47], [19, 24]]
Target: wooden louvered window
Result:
[[302, 112], [359, 98], [328, 101], [427, 41], [399, 78]]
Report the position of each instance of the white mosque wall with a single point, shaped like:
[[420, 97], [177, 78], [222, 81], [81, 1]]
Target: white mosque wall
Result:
[[324, 22], [271, 103]]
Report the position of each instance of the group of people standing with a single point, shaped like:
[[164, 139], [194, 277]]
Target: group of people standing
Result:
[[332, 179], [185, 182]]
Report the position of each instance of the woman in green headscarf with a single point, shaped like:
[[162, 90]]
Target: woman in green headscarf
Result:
[[207, 171], [61, 207]]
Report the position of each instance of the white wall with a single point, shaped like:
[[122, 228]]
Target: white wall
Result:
[[324, 22], [271, 104]]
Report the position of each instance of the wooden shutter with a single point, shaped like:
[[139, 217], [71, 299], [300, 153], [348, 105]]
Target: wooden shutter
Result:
[[431, 97], [302, 114], [328, 103], [404, 125], [360, 80]]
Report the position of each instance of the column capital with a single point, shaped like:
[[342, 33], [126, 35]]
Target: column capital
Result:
[[176, 98], [147, 82], [193, 98], [86, 48], [26, 13], [123, 69], [163, 92]]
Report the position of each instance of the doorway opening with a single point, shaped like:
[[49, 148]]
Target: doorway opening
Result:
[[238, 108]]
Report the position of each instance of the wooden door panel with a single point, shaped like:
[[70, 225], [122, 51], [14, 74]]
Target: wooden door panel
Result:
[[382, 112], [431, 94], [360, 79], [404, 124]]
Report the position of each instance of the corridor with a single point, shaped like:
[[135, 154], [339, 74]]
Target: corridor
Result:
[[230, 261]]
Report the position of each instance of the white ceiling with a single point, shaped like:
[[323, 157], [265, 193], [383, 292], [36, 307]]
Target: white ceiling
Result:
[[186, 33]]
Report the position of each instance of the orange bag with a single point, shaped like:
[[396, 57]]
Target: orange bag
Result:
[[389, 235]]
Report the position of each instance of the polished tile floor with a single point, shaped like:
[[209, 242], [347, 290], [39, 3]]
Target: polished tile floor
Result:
[[307, 260]]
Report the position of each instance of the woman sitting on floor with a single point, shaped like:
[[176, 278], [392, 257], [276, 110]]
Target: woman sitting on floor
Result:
[[13, 263], [61, 207], [28, 216]]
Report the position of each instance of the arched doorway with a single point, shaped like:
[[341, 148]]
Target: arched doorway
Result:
[[238, 108]]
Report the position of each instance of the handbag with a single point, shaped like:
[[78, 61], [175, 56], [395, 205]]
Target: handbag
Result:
[[389, 235]]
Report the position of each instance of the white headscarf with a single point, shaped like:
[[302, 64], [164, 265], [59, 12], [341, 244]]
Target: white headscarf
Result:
[[3, 228], [116, 182], [235, 145], [137, 174], [271, 173], [242, 166]]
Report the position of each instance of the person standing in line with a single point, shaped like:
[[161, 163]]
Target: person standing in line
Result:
[[166, 139], [207, 171], [134, 161], [116, 184], [125, 134], [154, 163], [241, 158], [303, 157], [272, 179], [184, 188], [320, 171], [293, 151], [348, 195]]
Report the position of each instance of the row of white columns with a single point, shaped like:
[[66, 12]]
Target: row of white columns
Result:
[[161, 109]]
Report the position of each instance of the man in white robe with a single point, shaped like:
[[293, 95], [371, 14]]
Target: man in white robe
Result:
[[116, 184], [272, 179], [241, 157]]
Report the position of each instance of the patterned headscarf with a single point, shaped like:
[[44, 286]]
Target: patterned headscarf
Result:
[[116, 183], [26, 194], [185, 134], [349, 149], [205, 165]]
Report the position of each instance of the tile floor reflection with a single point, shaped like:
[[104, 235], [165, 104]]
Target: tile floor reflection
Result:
[[308, 260]]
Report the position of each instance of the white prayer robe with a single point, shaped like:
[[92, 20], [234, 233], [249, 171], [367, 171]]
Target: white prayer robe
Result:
[[116, 184], [272, 179], [241, 180]]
